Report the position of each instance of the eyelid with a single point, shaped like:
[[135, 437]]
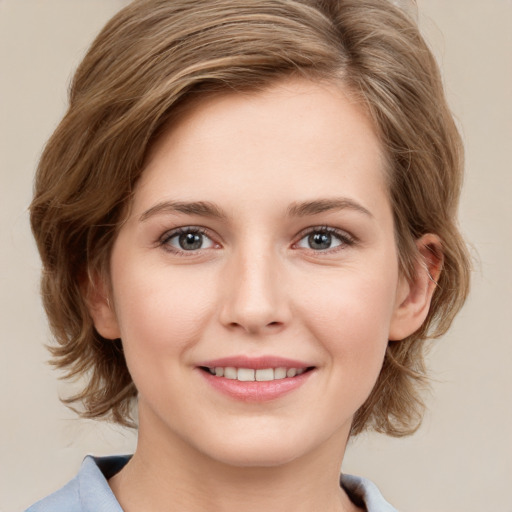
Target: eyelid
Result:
[[171, 233], [346, 238]]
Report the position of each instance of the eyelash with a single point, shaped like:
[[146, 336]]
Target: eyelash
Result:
[[345, 239], [169, 235]]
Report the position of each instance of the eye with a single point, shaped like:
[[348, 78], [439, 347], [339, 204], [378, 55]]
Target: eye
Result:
[[187, 239], [323, 239]]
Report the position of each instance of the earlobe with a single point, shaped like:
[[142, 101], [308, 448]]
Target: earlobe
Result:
[[415, 295], [101, 308]]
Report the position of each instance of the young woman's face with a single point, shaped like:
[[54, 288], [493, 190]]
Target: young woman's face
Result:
[[260, 245]]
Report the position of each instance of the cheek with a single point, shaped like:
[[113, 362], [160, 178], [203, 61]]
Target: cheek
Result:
[[349, 314], [161, 310], [161, 318]]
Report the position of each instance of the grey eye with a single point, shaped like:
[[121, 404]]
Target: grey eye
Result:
[[320, 241], [189, 241]]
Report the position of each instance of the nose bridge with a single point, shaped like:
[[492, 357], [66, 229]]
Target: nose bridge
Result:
[[255, 298]]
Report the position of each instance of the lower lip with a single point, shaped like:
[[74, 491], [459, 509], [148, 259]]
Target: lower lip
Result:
[[256, 391]]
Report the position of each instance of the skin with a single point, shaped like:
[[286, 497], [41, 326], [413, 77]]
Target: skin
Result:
[[257, 287]]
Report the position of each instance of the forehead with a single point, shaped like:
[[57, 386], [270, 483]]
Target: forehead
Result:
[[295, 138]]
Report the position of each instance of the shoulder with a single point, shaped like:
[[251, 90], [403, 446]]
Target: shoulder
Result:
[[66, 499], [88, 491], [365, 493]]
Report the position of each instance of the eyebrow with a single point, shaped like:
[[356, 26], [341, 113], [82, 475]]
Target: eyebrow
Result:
[[202, 208], [306, 208], [296, 209]]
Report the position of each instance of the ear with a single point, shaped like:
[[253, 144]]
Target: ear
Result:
[[415, 295], [97, 293]]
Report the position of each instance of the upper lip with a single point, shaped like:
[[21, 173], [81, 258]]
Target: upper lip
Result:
[[255, 363]]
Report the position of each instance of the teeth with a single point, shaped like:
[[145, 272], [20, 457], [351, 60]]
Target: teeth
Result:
[[260, 375], [229, 372], [264, 375], [280, 373], [245, 374]]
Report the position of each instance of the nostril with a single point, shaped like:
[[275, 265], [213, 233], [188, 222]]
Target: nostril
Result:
[[254, 328]]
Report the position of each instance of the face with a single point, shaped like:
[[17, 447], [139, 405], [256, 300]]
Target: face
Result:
[[256, 283]]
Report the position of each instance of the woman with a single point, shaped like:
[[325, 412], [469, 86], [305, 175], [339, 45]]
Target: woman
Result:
[[247, 224]]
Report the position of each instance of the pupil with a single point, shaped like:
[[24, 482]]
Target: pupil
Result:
[[190, 241], [320, 240]]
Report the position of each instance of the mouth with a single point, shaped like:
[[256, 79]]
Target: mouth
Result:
[[255, 374], [256, 379]]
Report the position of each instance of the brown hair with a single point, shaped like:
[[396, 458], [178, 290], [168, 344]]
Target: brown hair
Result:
[[156, 54]]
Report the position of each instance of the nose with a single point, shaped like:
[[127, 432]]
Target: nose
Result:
[[254, 293]]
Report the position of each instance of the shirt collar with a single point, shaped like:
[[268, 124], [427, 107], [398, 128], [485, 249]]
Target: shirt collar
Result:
[[95, 493]]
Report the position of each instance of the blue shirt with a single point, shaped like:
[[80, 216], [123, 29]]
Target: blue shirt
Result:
[[89, 490]]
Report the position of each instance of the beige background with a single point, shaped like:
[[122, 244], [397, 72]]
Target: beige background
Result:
[[461, 459]]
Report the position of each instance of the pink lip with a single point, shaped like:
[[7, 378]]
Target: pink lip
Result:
[[255, 391], [255, 363]]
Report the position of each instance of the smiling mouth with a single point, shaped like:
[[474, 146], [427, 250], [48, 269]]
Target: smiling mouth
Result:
[[255, 375]]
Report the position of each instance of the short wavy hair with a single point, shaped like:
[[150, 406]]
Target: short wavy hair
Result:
[[153, 56]]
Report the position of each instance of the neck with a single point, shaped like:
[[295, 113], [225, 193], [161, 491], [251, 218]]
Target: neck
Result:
[[172, 472]]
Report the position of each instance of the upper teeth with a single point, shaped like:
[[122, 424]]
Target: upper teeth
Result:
[[250, 374]]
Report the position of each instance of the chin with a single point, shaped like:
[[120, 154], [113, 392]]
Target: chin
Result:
[[257, 456], [261, 448]]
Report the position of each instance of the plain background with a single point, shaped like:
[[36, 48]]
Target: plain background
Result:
[[461, 459]]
